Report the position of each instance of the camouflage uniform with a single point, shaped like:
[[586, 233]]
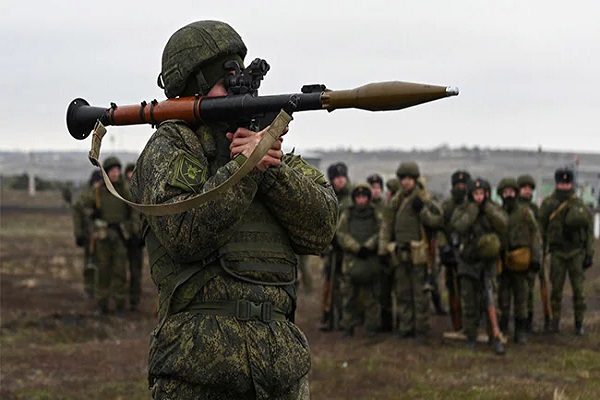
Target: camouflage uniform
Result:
[[82, 226], [448, 245], [357, 233], [567, 231], [114, 221], [522, 233], [226, 269], [527, 180], [332, 299], [476, 263], [403, 222]]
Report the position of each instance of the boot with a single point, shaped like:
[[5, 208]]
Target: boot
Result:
[[554, 326], [579, 331], [529, 323], [471, 342], [498, 347], [503, 325], [520, 328]]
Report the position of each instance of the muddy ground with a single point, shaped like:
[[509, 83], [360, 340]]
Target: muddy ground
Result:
[[53, 347]]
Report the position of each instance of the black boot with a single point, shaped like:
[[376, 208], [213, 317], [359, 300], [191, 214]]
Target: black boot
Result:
[[529, 323], [520, 327], [503, 325], [498, 347], [579, 331]]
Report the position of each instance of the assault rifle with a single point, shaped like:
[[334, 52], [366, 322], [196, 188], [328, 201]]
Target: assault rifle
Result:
[[242, 107]]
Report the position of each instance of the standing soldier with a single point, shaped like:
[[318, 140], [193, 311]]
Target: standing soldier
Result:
[[403, 237], [114, 223], [567, 232], [358, 233], [375, 181], [82, 225], [481, 224], [386, 284], [332, 268], [135, 252], [392, 186], [525, 196], [449, 244], [522, 254]]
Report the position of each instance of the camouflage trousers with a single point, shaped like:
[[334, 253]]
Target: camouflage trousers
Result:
[[89, 272], [413, 302], [571, 263], [386, 286], [513, 286], [361, 303], [111, 278], [473, 305], [168, 389], [530, 289]]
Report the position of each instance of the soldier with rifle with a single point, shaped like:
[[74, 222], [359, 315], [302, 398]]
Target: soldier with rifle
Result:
[[337, 174], [481, 225]]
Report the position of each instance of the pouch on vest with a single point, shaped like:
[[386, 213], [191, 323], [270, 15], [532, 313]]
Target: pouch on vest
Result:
[[518, 259], [419, 249]]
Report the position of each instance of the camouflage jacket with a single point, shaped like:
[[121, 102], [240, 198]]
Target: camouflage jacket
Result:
[[220, 350], [523, 231]]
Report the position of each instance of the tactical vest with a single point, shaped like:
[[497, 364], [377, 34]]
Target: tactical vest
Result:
[[362, 223]]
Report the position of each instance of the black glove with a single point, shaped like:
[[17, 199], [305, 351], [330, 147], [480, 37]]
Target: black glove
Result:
[[417, 204], [80, 241], [363, 252], [97, 213], [534, 266], [587, 262]]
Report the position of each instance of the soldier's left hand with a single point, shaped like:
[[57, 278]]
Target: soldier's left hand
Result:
[[587, 262], [244, 141], [417, 204]]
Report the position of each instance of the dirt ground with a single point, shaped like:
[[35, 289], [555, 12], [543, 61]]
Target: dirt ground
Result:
[[53, 347]]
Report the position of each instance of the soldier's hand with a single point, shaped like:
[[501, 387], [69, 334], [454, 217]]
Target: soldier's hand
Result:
[[80, 241], [363, 252], [417, 204], [96, 213], [244, 141], [587, 262], [534, 266]]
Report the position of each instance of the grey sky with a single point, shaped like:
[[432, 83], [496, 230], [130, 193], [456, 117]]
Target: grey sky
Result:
[[527, 70]]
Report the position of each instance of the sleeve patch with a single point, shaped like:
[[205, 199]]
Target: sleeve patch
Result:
[[188, 173]]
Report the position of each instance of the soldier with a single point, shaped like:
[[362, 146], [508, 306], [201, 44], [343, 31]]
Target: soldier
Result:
[[403, 237], [82, 225], [375, 181], [567, 232], [332, 265], [358, 233], [449, 243], [522, 254], [114, 223], [225, 270], [525, 196], [480, 224], [135, 252], [392, 186]]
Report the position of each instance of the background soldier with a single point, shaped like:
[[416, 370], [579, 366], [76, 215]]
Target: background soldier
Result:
[[358, 233], [82, 225], [525, 196], [481, 224], [332, 266], [135, 252], [114, 222], [375, 181], [567, 231], [403, 237], [225, 270], [449, 244], [392, 186], [522, 253]]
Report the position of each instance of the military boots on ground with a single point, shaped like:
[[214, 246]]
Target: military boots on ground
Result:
[[579, 331], [520, 329], [498, 346]]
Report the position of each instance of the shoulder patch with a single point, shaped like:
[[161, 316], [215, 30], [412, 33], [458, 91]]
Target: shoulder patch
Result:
[[297, 163], [188, 173]]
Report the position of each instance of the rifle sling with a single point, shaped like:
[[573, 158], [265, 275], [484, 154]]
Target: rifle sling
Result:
[[275, 130]]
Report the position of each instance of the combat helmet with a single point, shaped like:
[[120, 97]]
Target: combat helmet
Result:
[[361, 188], [505, 183], [525, 180], [410, 169], [193, 58], [393, 185], [111, 162]]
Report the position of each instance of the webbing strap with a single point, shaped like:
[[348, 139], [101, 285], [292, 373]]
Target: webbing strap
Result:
[[243, 310], [275, 130]]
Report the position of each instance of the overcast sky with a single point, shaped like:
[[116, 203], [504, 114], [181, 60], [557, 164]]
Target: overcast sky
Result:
[[528, 71]]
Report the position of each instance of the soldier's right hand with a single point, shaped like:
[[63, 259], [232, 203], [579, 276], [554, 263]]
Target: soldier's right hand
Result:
[[80, 241], [244, 141], [587, 262]]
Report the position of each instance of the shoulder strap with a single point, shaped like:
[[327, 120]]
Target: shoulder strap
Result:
[[275, 130], [559, 209]]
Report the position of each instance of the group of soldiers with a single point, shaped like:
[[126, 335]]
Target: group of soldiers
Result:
[[393, 248], [108, 230]]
